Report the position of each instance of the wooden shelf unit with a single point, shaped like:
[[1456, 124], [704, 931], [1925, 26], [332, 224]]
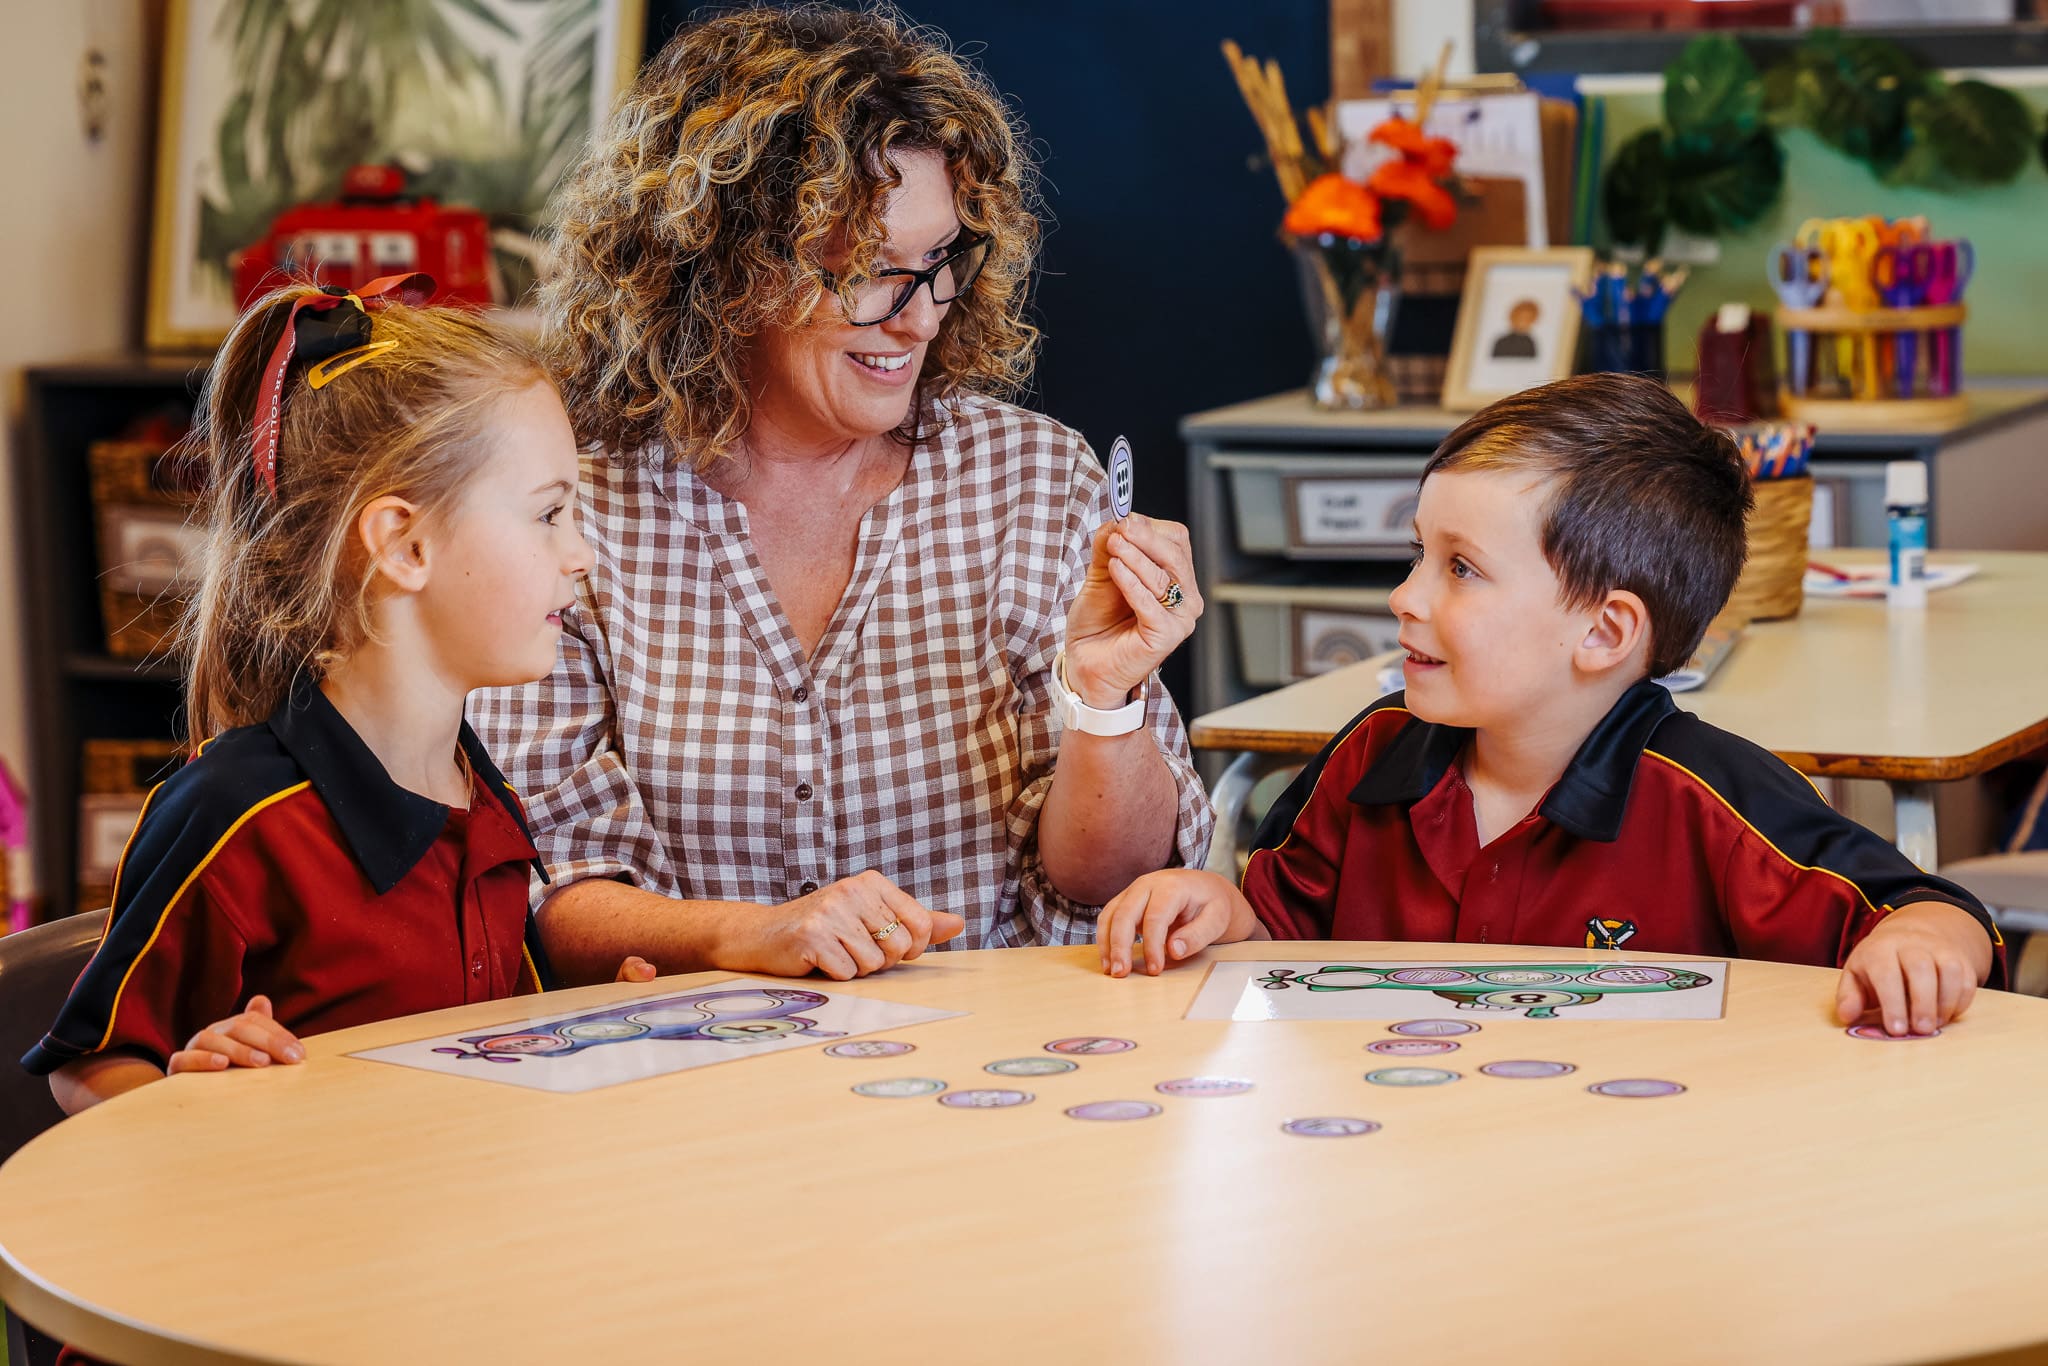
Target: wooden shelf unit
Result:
[[76, 690]]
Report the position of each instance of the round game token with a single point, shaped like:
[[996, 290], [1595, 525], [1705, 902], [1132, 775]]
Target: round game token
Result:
[[899, 1088], [603, 1029], [1630, 977], [1090, 1043], [1520, 977], [1529, 1000], [870, 1048], [1410, 1076], [1635, 1088], [1123, 480], [985, 1100], [1114, 1109], [1031, 1067], [1329, 1126], [1430, 977], [1524, 1067], [1876, 1033], [1433, 1029], [1204, 1086], [1411, 1048]]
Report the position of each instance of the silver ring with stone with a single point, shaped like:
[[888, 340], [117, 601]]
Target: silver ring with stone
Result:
[[1172, 597]]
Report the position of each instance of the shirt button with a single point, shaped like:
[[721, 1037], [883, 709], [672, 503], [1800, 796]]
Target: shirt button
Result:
[[803, 792], [802, 694], [807, 888]]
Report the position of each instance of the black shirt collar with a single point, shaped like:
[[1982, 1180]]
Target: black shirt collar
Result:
[[388, 828], [1588, 801]]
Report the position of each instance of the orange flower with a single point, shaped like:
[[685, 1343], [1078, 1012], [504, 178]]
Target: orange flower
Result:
[[1332, 204], [1406, 180], [1433, 155]]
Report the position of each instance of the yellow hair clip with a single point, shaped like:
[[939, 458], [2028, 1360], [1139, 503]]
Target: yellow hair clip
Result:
[[336, 366]]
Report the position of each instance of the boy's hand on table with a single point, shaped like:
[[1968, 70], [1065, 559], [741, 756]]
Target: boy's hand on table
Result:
[[1178, 913], [636, 969], [1916, 971], [253, 1038]]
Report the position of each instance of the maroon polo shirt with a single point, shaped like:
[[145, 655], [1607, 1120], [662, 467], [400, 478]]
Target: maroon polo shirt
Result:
[[1664, 835], [284, 861]]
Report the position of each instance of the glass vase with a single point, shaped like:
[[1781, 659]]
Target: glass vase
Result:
[[1349, 289]]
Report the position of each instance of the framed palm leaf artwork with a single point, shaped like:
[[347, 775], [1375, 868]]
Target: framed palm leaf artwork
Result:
[[298, 135]]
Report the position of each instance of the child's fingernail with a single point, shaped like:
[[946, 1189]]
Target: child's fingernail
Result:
[[1898, 1026], [1180, 948], [263, 1060], [295, 1053]]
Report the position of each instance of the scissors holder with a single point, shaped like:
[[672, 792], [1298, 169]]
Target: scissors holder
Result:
[[1868, 397]]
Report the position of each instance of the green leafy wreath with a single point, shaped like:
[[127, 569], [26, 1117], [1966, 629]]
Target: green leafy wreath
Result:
[[1715, 164]]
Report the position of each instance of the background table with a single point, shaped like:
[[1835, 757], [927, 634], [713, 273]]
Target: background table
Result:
[[1811, 1198], [1846, 689]]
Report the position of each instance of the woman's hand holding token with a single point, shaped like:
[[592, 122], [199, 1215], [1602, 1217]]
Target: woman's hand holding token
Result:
[[1120, 629]]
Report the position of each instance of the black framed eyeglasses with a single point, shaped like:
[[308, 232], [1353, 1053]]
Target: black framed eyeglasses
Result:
[[889, 292]]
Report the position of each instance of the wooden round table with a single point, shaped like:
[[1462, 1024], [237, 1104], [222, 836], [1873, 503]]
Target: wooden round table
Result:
[[1810, 1197]]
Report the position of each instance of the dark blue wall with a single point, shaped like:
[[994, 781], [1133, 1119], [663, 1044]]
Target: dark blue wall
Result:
[[1164, 290]]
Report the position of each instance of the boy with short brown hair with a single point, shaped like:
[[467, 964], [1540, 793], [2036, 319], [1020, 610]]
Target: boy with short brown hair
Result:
[[1532, 785]]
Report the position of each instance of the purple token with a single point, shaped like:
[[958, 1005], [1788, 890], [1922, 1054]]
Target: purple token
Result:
[[1630, 977], [1433, 1029], [1090, 1043], [870, 1048], [1204, 1086], [1635, 1088], [1430, 977], [1114, 1109], [1876, 1032], [1329, 1126], [985, 1100], [1410, 1048], [1527, 1068]]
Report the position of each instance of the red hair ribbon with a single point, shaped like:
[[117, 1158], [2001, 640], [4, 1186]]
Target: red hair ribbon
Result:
[[413, 289]]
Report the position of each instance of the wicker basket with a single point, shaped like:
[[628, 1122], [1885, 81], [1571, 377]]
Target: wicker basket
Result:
[[117, 775], [1771, 583], [143, 496]]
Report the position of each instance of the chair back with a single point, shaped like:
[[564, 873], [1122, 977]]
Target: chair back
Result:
[[37, 969]]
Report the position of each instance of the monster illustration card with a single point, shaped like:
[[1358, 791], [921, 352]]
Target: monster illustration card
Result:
[[1538, 988], [654, 1035]]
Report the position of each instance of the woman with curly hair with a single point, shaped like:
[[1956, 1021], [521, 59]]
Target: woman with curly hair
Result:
[[864, 663]]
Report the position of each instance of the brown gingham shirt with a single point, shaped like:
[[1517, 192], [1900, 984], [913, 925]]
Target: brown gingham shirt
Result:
[[686, 745]]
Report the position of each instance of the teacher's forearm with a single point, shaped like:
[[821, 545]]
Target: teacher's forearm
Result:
[[588, 928], [1109, 817]]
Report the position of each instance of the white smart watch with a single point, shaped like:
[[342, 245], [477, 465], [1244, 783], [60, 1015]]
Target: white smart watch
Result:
[[1074, 714]]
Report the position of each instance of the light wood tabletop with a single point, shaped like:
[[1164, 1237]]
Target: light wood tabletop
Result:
[[1809, 1198]]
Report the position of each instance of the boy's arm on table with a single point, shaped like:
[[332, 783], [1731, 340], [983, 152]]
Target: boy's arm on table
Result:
[[1815, 887]]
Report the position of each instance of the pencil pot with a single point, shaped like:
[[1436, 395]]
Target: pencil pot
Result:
[[1770, 586]]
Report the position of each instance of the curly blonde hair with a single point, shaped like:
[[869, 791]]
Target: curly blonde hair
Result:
[[755, 142]]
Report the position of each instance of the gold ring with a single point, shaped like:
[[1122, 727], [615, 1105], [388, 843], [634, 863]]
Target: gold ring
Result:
[[1172, 597], [886, 930]]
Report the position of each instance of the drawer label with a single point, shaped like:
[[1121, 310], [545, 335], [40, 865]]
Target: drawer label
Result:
[[1337, 512]]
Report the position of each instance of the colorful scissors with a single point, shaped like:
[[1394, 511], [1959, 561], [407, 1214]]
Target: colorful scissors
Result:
[[1953, 262], [1901, 275], [1800, 275], [1851, 244]]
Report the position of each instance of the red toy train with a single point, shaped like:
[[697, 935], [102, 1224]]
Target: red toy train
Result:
[[374, 229]]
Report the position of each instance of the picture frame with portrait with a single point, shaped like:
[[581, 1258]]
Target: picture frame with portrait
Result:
[[1518, 322]]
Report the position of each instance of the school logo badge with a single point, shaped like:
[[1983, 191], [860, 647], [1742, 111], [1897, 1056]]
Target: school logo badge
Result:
[[1609, 934]]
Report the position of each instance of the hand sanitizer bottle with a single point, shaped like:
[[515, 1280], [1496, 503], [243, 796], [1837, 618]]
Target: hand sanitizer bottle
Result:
[[1905, 509]]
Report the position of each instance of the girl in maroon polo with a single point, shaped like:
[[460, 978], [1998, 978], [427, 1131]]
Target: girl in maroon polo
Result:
[[389, 493]]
